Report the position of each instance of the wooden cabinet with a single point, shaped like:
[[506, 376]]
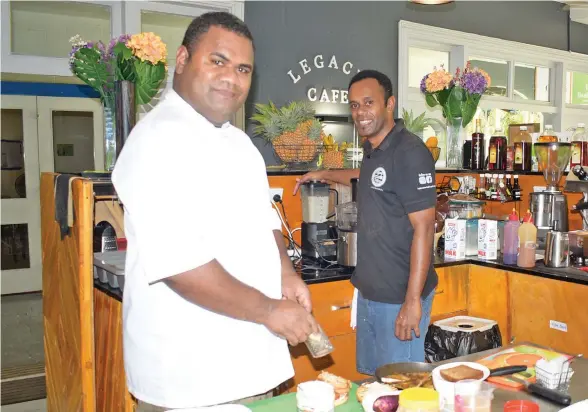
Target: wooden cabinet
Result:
[[488, 297], [332, 309], [540, 308], [450, 296]]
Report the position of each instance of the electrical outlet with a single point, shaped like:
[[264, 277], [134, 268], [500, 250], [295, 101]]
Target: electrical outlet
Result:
[[276, 191]]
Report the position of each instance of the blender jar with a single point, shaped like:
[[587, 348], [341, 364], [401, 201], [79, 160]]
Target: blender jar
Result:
[[315, 202], [346, 216]]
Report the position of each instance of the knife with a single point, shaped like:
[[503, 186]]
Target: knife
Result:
[[507, 370], [550, 394]]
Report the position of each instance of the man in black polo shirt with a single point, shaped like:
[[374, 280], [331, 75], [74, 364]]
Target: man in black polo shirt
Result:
[[396, 225]]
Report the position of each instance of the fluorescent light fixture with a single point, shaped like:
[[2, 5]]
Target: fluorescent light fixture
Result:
[[431, 2]]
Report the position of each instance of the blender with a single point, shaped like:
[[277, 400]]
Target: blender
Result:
[[318, 232], [550, 207], [347, 228]]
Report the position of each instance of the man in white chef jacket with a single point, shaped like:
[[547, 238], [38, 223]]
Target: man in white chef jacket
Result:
[[211, 299]]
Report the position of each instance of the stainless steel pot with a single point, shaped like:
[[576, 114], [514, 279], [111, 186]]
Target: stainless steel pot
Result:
[[347, 248]]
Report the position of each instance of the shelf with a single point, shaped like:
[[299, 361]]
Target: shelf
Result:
[[503, 172]]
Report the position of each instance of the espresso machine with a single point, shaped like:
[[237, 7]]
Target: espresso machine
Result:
[[550, 207], [577, 181], [319, 234]]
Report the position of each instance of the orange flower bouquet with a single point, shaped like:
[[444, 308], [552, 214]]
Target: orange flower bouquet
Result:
[[142, 60]]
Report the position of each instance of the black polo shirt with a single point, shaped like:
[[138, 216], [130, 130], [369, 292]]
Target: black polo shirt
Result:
[[397, 178]]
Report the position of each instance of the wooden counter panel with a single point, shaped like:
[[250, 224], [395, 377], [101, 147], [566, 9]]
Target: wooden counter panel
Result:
[[111, 388], [451, 292], [340, 362], [488, 297], [67, 301], [331, 303], [534, 302]]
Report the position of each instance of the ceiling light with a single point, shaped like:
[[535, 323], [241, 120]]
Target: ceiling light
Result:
[[431, 2]]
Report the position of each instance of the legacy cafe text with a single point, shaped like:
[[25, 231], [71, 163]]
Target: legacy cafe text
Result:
[[323, 95]]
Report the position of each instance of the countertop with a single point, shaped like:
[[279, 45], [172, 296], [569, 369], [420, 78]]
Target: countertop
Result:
[[335, 274], [578, 389]]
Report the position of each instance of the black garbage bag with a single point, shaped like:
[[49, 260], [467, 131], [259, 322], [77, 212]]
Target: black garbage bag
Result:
[[442, 344]]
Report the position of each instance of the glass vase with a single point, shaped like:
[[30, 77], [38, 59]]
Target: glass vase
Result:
[[109, 138], [454, 150], [124, 101]]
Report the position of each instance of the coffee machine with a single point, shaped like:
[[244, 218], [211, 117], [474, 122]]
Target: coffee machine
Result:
[[550, 207], [319, 234], [577, 181]]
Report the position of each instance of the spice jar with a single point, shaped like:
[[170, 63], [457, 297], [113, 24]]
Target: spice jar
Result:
[[418, 400], [318, 344]]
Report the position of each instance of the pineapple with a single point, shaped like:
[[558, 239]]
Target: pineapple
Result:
[[334, 156], [292, 129]]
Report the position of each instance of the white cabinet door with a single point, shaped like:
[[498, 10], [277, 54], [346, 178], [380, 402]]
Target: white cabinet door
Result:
[[71, 134], [170, 21], [21, 211], [35, 34]]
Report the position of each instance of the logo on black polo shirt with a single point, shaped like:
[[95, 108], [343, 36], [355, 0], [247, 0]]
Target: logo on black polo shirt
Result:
[[425, 181], [379, 177]]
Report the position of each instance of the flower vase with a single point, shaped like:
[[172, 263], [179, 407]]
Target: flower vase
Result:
[[125, 110], [454, 149], [109, 138]]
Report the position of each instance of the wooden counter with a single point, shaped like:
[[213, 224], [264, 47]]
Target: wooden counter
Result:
[[83, 323]]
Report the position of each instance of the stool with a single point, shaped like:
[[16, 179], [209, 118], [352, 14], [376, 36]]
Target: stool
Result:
[[460, 336]]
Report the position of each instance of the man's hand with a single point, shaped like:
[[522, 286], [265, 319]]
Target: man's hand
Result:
[[291, 321], [294, 289], [318, 175], [409, 319]]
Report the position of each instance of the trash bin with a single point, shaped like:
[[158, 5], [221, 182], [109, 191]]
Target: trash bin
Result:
[[460, 336]]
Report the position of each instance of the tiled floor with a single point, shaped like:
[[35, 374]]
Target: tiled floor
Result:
[[33, 406], [22, 330]]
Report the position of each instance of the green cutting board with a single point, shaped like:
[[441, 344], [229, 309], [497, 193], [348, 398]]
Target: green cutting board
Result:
[[287, 403]]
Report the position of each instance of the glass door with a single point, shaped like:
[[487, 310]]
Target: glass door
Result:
[[71, 134], [21, 213]]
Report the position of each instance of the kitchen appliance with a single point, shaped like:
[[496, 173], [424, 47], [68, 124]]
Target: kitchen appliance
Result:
[[347, 239], [557, 249], [318, 232], [551, 205], [104, 238], [577, 181]]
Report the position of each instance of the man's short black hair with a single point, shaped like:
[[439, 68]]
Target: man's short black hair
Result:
[[201, 24], [384, 81]]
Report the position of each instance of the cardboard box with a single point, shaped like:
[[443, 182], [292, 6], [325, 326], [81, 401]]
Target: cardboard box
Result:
[[487, 239], [455, 239]]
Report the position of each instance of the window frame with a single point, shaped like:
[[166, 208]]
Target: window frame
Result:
[[463, 45]]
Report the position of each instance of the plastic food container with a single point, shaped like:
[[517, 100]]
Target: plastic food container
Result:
[[465, 209], [109, 267], [418, 400], [315, 396]]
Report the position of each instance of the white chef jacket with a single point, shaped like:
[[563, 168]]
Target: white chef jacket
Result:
[[193, 192]]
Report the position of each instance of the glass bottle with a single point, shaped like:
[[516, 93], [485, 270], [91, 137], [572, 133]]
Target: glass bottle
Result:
[[482, 187], [516, 189], [579, 147], [522, 144], [478, 147], [509, 187], [548, 135], [497, 152]]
